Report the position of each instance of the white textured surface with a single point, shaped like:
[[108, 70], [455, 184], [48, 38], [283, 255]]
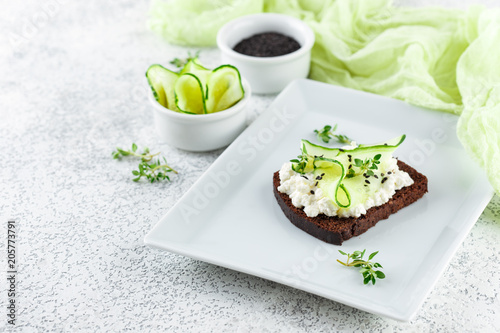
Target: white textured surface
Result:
[[71, 92]]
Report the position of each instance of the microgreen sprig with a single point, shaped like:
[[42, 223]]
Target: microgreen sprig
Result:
[[327, 133], [367, 166], [152, 170], [367, 267]]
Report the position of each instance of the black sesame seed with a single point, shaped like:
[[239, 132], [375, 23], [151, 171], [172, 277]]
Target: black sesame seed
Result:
[[316, 184], [342, 150], [322, 174], [312, 192], [382, 174], [350, 166], [375, 176], [383, 180], [389, 173], [305, 177], [318, 178], [367, 181]]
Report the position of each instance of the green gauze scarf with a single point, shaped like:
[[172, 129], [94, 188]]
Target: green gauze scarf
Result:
[[443, 59]]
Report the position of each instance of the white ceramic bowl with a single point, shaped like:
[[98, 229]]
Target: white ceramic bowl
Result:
[[201, 132], [267, 74]]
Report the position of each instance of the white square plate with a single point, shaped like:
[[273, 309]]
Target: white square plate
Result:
[[230, 216]]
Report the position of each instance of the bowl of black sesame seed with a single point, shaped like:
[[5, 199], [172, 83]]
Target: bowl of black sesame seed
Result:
[[270, 50]]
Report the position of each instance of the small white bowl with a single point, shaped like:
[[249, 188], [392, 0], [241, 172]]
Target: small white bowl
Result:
[[201, 132], [267, 74]]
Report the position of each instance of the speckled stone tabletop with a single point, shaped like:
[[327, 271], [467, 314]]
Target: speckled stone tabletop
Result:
[[72, 88]]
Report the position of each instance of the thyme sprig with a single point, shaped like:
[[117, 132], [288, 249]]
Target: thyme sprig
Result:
[[156, 171], [301, 162], [327, 133], [180, 63], [145, 156], [370, 274], [152, 170], [365, 167]]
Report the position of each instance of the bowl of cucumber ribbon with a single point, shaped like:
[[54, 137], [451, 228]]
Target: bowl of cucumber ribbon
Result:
[[198, 109]]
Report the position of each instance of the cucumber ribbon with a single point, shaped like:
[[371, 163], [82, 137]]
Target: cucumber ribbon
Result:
[[339, 185]]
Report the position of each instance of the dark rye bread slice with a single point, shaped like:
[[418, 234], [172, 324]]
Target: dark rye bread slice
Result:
[[335, 230]]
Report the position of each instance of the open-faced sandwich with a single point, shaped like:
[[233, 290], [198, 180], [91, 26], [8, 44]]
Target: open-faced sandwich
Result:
[[335, 194]]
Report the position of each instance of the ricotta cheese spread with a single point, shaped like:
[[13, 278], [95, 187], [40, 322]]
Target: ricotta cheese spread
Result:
[[304, 193]]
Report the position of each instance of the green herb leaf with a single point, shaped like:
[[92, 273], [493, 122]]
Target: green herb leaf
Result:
[[372, 255]]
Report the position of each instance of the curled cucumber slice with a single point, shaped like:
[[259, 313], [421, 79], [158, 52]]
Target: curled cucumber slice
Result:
[[224, 88], [189, 94], [161, 81], [195, 68]]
